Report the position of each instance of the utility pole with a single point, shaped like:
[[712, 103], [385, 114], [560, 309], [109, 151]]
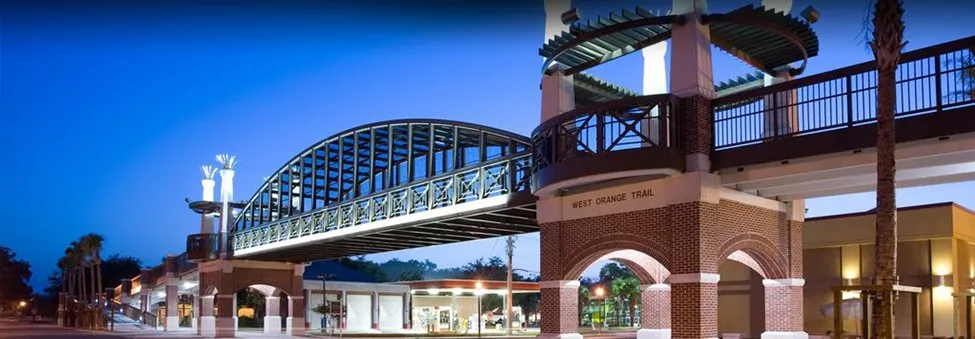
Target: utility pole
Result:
[[508, 314]]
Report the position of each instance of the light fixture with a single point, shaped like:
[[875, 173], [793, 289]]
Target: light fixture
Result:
[[600, 291], [941, 281], [161, 294], [188, 285], [810, 14], [457, 291], [571, 16], [478, 288], [433, 291]]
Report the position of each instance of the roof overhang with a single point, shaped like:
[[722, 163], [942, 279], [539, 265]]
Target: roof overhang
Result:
[[597, 41]]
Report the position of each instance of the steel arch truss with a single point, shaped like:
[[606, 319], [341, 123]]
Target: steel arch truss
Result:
[[381, 171]]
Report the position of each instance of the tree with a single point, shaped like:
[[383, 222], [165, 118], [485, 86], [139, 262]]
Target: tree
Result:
[[362, 265], [399, 268], [612, 271], [411, 276], [966, 76], [886, 45], [14, 277], [627, 289], [92, 245], [585, 298]]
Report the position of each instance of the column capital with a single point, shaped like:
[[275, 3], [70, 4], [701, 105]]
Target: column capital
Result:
[[655, 287], [793, 282], [695, 278], [559, 284]]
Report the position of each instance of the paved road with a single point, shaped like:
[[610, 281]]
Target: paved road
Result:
[[15, 329]]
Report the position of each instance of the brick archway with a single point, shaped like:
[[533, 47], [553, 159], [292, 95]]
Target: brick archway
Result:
[[771, 264], [644, 257]]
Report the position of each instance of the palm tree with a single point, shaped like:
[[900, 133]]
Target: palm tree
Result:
[[93, 243], [627, 288], [887, 43], [966, 76]]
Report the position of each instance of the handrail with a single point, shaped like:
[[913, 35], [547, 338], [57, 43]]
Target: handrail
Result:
[[504, 175], [636, 122], [927, 82], [203, 246]]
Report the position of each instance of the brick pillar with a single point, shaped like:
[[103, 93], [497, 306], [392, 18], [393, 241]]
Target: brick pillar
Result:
[[272, 315], [654, 312], [296, 306], [694, 305], [208, 322], [560, 309], [226, 322], [783, 309], [172, 295], [692, 80]]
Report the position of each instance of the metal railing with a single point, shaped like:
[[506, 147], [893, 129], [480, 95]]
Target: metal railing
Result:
[[929, 80], [494, 178], [203, 246], [638, 122]]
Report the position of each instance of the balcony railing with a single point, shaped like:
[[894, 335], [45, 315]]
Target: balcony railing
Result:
[[203, 246], [929, 80], [619, 125], [502, 176]]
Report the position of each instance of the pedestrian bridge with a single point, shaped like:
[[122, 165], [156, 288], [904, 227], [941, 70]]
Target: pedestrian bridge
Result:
[[412, 183]]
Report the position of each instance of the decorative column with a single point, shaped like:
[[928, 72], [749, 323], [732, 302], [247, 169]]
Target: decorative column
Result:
[[691, 80], [272, 317], [172, 295], [783, 309], [654, 82], [226, 196], [375, 310], [783, 118], [208, 322], [558, 90], [206, 220], [654, 312], [406, 311], [560, 299], [694, 305]]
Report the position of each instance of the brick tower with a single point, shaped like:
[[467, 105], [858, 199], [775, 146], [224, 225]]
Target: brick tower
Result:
[[628, 178]]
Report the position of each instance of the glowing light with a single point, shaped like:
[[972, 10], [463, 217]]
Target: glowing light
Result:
[[846, 295], [161, 294], [188, 284], [457, 291], [600, 292], [23, 303], [478, 288], [850, 273], [433, 291]]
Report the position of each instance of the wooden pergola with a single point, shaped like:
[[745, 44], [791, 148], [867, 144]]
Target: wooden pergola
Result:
[[866, 306]]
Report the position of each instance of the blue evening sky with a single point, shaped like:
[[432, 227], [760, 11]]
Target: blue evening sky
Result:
[[109, 108]]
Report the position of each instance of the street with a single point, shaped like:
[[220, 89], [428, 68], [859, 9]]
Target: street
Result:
[[18, 329]]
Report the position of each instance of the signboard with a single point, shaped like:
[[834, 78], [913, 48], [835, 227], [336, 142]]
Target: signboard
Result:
[[619, 199]]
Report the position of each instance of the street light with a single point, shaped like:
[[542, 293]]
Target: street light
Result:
[[109, 297], [479, 291], [599, 295], [23, 303]]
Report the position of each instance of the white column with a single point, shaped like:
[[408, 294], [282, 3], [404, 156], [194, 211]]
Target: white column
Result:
[[233, 311], [691, 73], [375, 310], [784, 119], [196, 311], [226, 195], [406, 311], [558, 91], [654, 82], [272, 319]]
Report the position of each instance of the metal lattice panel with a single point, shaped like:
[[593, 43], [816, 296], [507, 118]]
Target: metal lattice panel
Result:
[[377, 166]]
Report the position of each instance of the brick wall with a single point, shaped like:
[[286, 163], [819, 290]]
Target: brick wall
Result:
[[564, 303], [686, 238], [696, 122], [783, 308]]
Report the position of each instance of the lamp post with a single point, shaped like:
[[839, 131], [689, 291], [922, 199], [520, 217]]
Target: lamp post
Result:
[[479, 291], [599, 296], [325, 302]]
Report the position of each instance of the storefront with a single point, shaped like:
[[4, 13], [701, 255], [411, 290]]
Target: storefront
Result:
[[452, 305]]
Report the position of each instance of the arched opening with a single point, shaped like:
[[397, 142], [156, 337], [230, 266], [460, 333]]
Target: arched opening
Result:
[[622, 288], [741, 297], [261, 308]]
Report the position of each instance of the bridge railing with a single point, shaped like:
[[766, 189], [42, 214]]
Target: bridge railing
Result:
[[929, 80], [494, 178], [203, 246], [638, 122]]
